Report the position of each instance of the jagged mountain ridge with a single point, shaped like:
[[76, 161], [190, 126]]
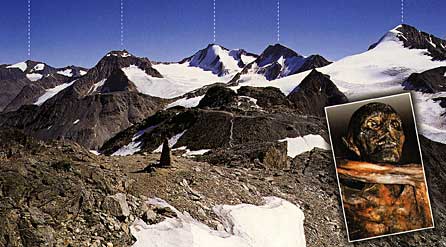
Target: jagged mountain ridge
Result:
[[416, 39], [220, 60], [24, 82], [90, 109], [278, 61]]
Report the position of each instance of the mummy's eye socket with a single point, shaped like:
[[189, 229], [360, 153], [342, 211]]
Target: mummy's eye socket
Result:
[[373, 124], [396, 125]]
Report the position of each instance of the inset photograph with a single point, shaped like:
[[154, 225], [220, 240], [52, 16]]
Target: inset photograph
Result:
[[379, 167]]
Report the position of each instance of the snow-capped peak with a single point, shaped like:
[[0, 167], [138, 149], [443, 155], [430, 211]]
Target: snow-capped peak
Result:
[[413, 38], [220, 60]]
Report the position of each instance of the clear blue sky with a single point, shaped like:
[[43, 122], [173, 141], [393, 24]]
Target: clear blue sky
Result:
[[80, 32]]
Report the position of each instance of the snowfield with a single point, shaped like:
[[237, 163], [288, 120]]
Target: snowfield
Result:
[[34, 76], [66, 72], [376, 72], [304, 144], [22, 66], [278, 223], [52, 92]]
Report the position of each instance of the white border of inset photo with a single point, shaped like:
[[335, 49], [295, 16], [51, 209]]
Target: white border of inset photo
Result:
[[361, 102]]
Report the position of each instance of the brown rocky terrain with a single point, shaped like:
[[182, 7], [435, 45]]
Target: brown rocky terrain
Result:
[[59, 194]]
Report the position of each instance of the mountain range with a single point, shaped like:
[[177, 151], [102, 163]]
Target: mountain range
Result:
[[122, 89], [256, 113]]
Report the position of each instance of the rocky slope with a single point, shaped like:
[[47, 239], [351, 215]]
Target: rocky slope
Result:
[[315, 92], [91, 109], [430, 81], [58, 193], [222, 119], [24, 82]]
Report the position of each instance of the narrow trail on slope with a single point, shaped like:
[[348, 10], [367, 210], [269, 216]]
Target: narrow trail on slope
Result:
[[231, 131]]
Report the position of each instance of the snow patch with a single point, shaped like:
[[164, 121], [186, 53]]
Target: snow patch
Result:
[[82, 72], [247, 59], [76, 122], [34, 76], [186, 102], [52, 92], [22, 66], [97, 85], [66, 72], [38, 67], [278, 223], [172, 142], [303, 144], [135, 145], [95, 152], [129, 149]]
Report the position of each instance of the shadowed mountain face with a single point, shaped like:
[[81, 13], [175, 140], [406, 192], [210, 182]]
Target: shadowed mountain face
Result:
[[431, 81], [91, 109], [24, 82], [315, 92]]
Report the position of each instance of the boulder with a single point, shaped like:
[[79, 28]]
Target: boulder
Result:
[[116, 205]]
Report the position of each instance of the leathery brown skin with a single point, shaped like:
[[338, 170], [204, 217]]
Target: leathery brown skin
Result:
[[393, 199], [376, 134], [380, 195]]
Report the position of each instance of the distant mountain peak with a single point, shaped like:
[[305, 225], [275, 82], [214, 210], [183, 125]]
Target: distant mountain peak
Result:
[[412, 38], [220, 60], [278, 61]]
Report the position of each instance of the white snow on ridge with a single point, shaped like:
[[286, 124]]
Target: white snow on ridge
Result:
[[178, 79], [278, 223], [38, 67], [186, 102], [76, 121], [158, 87], [207, 63], [82, 72], [303, 144], [34, 76], [97, 85], [247, 59], [380, 69], [66, 72], [22, 66], [52, 92]]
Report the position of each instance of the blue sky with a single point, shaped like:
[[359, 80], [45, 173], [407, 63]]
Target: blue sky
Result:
[[80, 32]]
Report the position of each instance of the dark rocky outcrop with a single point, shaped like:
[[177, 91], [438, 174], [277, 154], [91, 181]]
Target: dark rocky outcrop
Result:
[[266, 97], [217, 96], [315, 92], [313, 62], [430, 81], [89, 121]]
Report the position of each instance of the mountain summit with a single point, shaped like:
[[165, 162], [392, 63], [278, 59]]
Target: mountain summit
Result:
[[278, 61], [413, 38], [220, 60]]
